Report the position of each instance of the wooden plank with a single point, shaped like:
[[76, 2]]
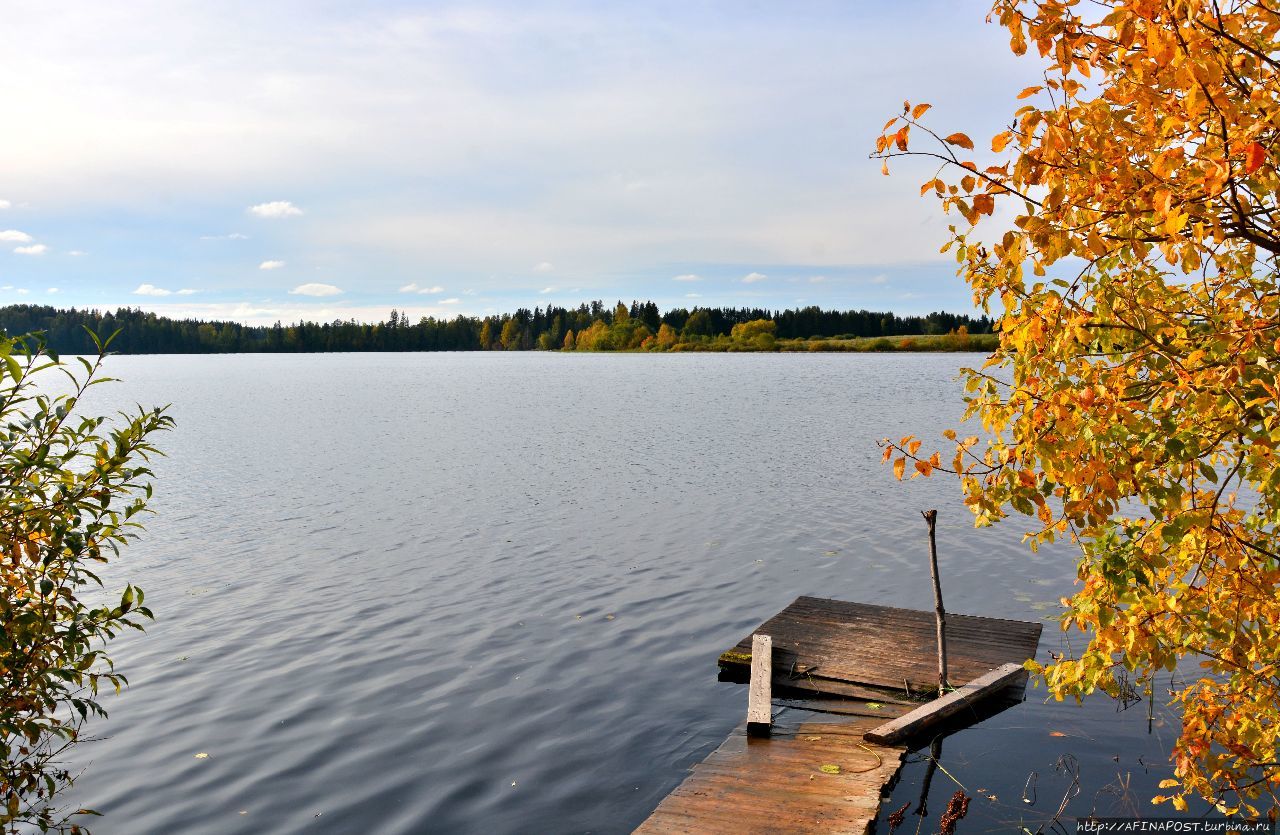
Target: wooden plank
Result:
[[928, 715], [759, 700], [777, 785], [817, 642]]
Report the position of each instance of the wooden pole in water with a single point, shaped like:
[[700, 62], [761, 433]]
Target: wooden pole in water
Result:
[[931, 519]]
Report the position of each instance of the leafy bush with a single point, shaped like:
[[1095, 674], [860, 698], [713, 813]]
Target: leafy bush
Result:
[[71, 488]]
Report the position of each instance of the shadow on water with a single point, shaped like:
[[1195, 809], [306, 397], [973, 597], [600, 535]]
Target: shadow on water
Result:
[[1073, 760]]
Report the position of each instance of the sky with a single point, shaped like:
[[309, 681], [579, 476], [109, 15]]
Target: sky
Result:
[[267, 161]]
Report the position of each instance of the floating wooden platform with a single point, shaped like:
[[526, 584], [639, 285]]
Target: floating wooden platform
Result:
[[777, 784], [859, 666], [863, 651]]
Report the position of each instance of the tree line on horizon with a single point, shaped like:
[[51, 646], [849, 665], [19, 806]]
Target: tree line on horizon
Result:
[[620, 327]]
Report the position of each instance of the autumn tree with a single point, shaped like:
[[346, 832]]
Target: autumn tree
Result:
[[1125, 232], [758, 334], [511, 335], [698, 324], [73, 487]]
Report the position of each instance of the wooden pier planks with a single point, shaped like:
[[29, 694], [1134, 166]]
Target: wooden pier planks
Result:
[[776, 784], [862, 658], [836, 647]]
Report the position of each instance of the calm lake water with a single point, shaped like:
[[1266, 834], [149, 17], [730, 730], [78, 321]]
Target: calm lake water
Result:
[[486, 592]]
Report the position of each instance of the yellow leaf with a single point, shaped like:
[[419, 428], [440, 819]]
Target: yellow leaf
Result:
[[919, 110], [1174, 223], [899, 467], [900, 138], [1029, 92], [1000, 140], [961, 140]]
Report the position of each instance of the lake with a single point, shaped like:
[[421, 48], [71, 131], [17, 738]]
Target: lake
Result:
[[485, 592]]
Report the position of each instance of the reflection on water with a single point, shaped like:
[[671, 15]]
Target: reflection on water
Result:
[[486, 592]]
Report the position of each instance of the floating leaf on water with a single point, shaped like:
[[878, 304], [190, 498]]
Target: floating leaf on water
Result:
[[830, 768], [830, 553], [608, 617], [813, 738], [874, 705], [1056, 733], [202, 756]]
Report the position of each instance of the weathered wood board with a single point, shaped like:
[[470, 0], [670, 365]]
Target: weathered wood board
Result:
[[759, 700], [860, 649], [932, 713], [777, 784]]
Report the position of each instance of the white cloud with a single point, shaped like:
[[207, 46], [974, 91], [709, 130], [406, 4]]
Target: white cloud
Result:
[[13, 236], [187, 291], [817, 279], [76, 253], [52, 290], [150, 290], [234, 236], [275, 209], [880, 279], [5, 204], [34, 249], [313, 289], [21, 291], [693, 295], [451, 301], [752, 278], [687, 277], [413, 287], [543, 267], [271, 265], [546, 290]]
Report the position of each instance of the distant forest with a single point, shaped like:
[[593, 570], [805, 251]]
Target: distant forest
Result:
[[591, 326]]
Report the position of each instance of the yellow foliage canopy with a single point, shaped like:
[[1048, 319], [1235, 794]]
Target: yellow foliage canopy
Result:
[[1132, 403]]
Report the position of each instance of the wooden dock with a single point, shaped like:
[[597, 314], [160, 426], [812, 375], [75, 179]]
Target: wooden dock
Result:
[[845, 670]]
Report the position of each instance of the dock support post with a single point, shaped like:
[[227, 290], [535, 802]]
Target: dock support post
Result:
[[759, 694], [931, 519]]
